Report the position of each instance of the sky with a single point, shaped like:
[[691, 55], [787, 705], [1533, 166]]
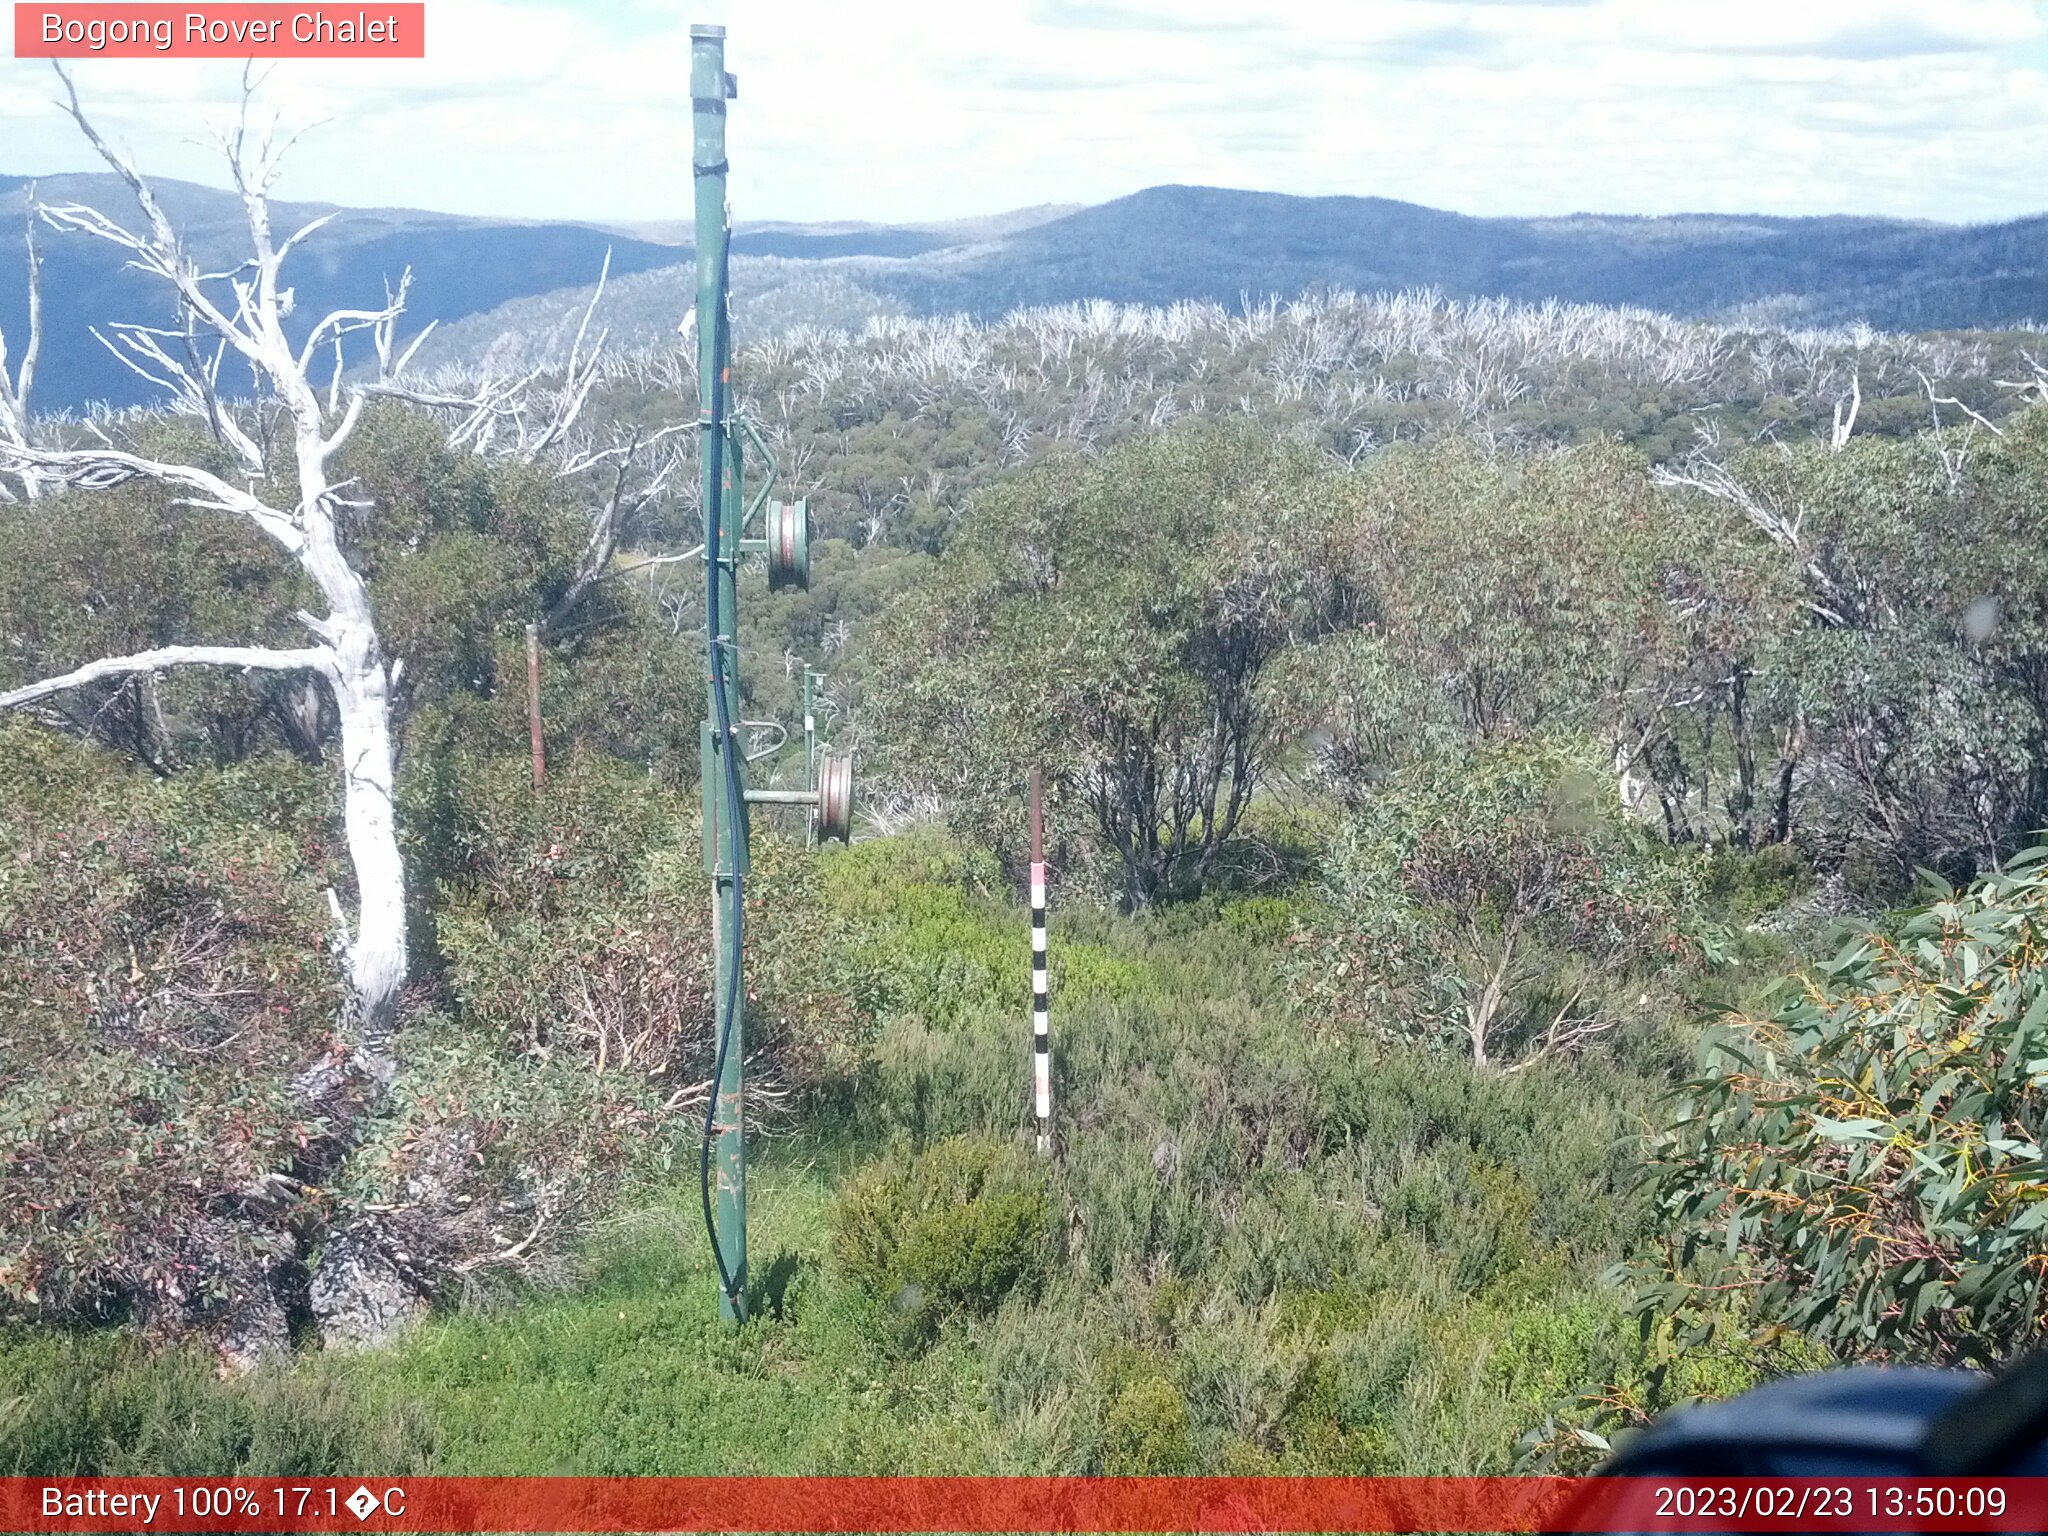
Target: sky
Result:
[[903, 110]]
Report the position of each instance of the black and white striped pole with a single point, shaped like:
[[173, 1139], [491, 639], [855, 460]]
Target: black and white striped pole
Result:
[[1041, 1012]]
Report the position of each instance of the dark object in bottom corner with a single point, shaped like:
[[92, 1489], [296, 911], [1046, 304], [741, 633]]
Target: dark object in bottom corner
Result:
[[1863, 1422], [1869, 1421]]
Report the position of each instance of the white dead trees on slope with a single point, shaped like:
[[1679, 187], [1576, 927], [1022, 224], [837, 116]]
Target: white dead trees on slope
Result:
[[17, 388]]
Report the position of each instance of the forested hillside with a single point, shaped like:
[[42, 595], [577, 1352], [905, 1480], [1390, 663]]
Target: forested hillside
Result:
[[1539, 796], [1207, 245]]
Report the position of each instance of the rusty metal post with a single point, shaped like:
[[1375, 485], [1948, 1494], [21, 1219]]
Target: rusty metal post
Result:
[[540, 763]]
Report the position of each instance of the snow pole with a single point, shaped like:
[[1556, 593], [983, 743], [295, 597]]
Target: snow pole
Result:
[[1041, 1000]]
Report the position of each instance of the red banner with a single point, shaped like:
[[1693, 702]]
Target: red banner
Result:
[[378, 30], [906, 1504]]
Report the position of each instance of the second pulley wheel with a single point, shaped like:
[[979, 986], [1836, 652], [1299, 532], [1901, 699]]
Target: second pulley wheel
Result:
[[835, 797], [789, 545]]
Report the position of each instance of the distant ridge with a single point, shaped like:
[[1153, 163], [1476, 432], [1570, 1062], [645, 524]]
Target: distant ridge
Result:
[[500, 284], [1177, 242], [460, 266], [988, 226]]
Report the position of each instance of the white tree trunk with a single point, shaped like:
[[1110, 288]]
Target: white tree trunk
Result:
[[357, 1287], [16, 392], [377, 958], [362, 682]]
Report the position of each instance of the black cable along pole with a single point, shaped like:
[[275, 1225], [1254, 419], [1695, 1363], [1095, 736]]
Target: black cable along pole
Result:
[[725, 819]]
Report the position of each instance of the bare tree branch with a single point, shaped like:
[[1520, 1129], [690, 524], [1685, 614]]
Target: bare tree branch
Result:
[[490, 407], [598, 552], [1782, 527], [617, 513], [161, 253], [99, 469], [1955, 456], [249, 658], [1977, 416], [345, 322], [25, 382]]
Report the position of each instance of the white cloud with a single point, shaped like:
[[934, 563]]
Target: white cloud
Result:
[[1852, 29], [929, 109]]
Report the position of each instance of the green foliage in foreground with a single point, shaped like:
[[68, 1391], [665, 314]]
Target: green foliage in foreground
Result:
[[1869, 1158], [1265, 1249]]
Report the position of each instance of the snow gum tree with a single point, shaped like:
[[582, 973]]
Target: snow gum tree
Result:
[[242, 314], [276, 436]]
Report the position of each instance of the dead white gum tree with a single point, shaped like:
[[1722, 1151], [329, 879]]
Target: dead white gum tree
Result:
[[240, 315], [535, 417], [236, 319]]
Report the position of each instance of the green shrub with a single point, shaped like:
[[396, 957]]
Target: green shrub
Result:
[[920, 926], [1867, 1161], [1547, 1143], [1500, 904], [1260, 919], [1748, 885], [1114, 618], [558, 930], [929, 1083], [1243, 1374], [96, 1404], [1371, 1365], [1147, 1431], [165, 972], [576, 1020], [953, 1229]]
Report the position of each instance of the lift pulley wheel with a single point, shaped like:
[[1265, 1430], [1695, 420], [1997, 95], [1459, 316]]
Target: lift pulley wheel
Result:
[[835, 797], [789, 545]]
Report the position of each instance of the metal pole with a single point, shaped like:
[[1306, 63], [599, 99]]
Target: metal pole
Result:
[[1041, 1002], [540, 762], [725, 836], [810, 752]]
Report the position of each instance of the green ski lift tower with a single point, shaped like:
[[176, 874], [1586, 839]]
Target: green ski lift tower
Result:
[[784, 539]]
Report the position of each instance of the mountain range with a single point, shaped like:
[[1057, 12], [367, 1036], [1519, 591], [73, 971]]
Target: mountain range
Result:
[[496, 285]]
